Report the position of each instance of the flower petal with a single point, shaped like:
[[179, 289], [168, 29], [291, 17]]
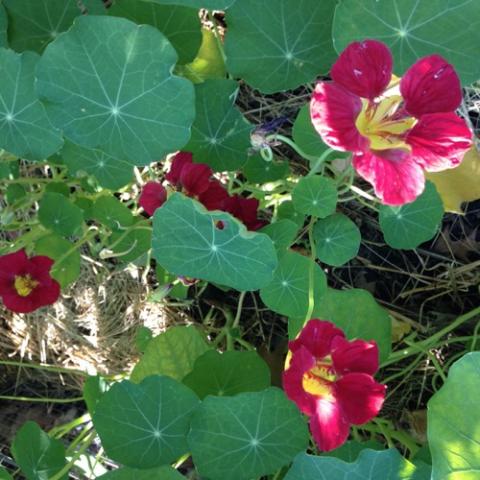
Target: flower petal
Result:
[[333, 111], [356, 356], [178, 162], [439, 141], [195, 177], [328, 425], [213, 198], [300, 363], [244, 209], [431, 85], [317, 337], [11, 264], [364, 68], [152, 197], [397, 179], [360, 397]]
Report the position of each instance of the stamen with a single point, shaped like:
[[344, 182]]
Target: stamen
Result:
[[25, 284]]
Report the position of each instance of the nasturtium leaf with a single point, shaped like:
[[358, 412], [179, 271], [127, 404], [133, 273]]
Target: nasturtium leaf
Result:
[[58, 187], [257, 170], [370, 465], [278, 45], [357, 313], [181, 25], [305, 135], [414, 29], [126, 473], [66, 268], [188, 242], [59, 214], [112, 213], [209, 4], [93, 389], [33, 24], [171, 353], [142, 338], [25, 129], [453, 423], [39, 456], [220, 133], [409, 225], [337, 239], [108, 85], [130, 244], [315, 196], [350, 450], [246, 436], [3, 27], [14, 192], [282, 232], [286, 210], [86, 205], [209, 62], [288, 292], [227, 374], [146, 425], [459, 184], [110, 172], [93, 7], [4, 475]]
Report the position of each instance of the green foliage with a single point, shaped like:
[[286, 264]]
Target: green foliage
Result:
[[60, 215], [287, 211], [220, 133], [39, 456], [4, 475], [282, 232], [145, 425], [172, 353], [112, 213], [315, 196], [125, 473], [115, 91], [228, 374], [305, 135], [414, 29], [257, 170], [210, 4], [186, 241], [350, 450], [408, 226], [93, 389], [246, 436], [3, 27], [453, 423], [279, 47]]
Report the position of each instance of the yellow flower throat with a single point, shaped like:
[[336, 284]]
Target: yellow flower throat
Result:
[[25, 284], [319, 380]]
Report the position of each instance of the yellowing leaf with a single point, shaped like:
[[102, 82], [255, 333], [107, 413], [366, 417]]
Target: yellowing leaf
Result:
[[208, 63], [460, 184]]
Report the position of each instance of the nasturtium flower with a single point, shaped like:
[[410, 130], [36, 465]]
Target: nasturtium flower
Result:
[[245, 210], [331, 380], [153, 196], [395, 128], [25, 283]]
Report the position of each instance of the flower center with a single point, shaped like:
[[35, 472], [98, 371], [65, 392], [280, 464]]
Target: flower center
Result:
[[378, 123], [319, 380], [25, 284]]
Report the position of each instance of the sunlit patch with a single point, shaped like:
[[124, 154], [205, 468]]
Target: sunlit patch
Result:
[[25, 284]]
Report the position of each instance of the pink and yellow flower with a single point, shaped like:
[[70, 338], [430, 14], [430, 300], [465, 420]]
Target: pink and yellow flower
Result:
[[395, 128], [331, 380]]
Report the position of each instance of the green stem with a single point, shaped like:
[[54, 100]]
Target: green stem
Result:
[[49, 368], [41, 399], [311, 271]]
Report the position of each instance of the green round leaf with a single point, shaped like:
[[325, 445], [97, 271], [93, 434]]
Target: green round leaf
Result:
[[14, 192], [279, 45], [125, 473], [180, 25], [414, 29], [453, 420], [59, 214], [287, 211], [220, 133], [112, 213], [371, 465], [129, 245], [4, 475], [257, 170], [228, 374], [93, 390], [35, 23], [247, 436], [3, 27], [357, 313], [25, 129], [408, 226], [39, 456], [109, 86], [315, 196], [337, 239], [305, 135], [66, 268], [187, 242], [287, 294], [110, 172], [172, 353], [145, 425], [58, 187], [210, 4], [282, 232], [351, 449]]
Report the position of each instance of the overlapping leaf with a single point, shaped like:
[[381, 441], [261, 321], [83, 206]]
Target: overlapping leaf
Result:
[[125, 473], [3, 27], [60, 215], [210, 4]]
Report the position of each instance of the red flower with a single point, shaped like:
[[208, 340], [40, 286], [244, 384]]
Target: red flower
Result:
[[192, 177], [213, 198], [25, 283], [394, 134], [152, 197], [245, 209], [331, 380]]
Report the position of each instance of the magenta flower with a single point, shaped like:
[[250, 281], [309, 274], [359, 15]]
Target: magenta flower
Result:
[[153, 196], [331, 380], [394, 133], [245, 210]]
